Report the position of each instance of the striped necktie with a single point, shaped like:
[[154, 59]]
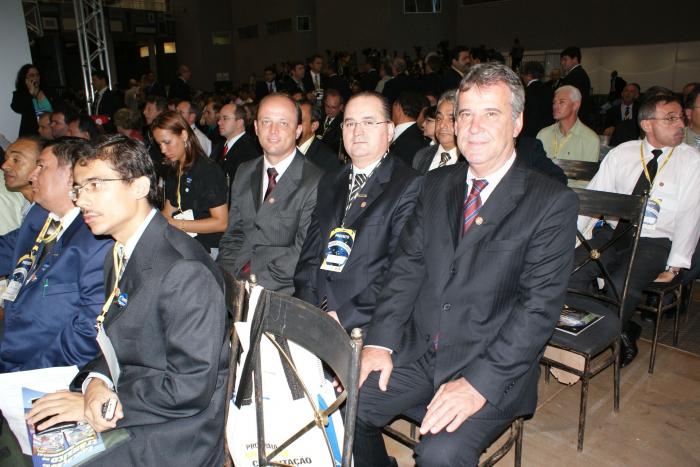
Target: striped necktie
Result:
[[444, 159], [472, 204]]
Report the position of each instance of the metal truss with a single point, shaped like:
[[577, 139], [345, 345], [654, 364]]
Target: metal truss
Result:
[[32, 17]]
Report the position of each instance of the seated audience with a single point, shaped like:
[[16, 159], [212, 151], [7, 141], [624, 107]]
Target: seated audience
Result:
[[445, 152], [45, 125], [330, 132], [408, 138], [538, 99], [311, 146], [82, 126], [238, 145], [426, 122], [626, 110]]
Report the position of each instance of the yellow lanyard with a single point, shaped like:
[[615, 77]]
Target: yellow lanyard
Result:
[[42, 238], [118, 262], [177, 194], [646, 171], [556, 144]]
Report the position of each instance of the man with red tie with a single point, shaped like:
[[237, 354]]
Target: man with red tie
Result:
[[239, 146]]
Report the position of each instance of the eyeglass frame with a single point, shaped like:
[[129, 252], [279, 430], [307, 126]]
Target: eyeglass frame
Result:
[[74, 193], [364, 124], [669, 120]]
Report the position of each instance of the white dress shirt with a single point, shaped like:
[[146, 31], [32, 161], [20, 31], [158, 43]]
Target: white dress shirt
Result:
[[493, 179], [304, 147], [204, 141], [66, 220], [400, 128], [281, 168], [675, 187], [438, 157]]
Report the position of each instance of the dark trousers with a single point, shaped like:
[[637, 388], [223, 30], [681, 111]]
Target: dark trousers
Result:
[[409, 391], [649, 262]]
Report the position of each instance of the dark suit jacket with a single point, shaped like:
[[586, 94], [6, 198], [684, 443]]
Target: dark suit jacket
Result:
[[245, 149], [171, 343], [333, 135], [538, 108], [450, 79], [369, 80], [155, 89], [340, 84], [613, 116], [493, 296], [431, 83], [407, 145], [322, 155], [402, 82], [110, 103], [269, 235], [52, 321], [309, 84], [378, 220], [292, 86], [23, 105], [532, 154], [180, 90], [424, 157], [261, 89], [578, 78]]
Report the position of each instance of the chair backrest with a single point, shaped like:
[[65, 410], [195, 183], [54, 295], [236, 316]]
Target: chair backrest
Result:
[[307, 326], [629, 211], [577, 170]]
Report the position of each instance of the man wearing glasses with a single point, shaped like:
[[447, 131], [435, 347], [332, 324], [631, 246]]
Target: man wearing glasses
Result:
[[54, 269], [360, 212], [670, 171], [238, 146]]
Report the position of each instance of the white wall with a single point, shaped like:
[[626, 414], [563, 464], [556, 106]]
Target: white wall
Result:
[[13, 54]]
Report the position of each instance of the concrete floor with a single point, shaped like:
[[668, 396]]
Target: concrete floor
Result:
[[658, 423]]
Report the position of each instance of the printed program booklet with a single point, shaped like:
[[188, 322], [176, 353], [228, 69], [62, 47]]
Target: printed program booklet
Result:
[[62, 447], [574, 322]]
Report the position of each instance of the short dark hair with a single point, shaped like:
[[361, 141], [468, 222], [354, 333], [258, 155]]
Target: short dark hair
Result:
[[333, 92], [313, 57], [636, 85], [316, 112], [159, 101], [386, 108], [692, 97], [101, 74], [128, 157], [37, 140], [431, 112], [411, 103], [86, 124], [573, 52], [647, 107], [534, 69], [434, 62], [454, 53], [67, 149], [69, 112]]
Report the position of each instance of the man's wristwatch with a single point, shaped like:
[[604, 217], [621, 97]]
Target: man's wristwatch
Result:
[[673, 270]]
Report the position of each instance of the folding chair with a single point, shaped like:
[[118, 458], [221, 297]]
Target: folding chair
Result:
[[578, 170]]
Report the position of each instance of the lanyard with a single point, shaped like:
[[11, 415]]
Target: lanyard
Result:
[[41, 238], [646, 171], [118, 261], [352, 199], [177, 193]]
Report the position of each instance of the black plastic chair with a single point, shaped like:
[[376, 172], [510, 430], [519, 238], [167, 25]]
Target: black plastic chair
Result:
[[665, 296], [281, 318], [593, 343], [578, 170]]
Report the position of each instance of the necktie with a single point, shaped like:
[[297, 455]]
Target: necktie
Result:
[[316, 82], [225, 153], [269, 87], [271, 181], [356, 185], [326, 124], [627, 113], [444, 159], [473, 203], [652, 166], [51, 236]]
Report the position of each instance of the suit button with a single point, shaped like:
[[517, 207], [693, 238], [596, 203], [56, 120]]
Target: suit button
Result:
[[446, 307]]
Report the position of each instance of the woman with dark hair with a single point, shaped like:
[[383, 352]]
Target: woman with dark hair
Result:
[[195, 186], [29, 100]]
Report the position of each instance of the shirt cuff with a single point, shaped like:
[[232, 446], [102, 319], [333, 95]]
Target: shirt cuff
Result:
[[380, 347], [92, 375]]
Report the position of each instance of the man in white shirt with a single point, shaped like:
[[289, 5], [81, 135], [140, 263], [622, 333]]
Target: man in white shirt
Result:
[[568, 138], [446, 152], [190, 112], [672, 220]]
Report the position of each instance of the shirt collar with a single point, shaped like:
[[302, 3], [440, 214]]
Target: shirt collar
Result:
[[66, 220], [452, 152], [494, 178], [400, 128], [233, 140], [366, 170], [304, 147], [455, 69], [531, 81], [648, 148], [281, 167], [134, 239]]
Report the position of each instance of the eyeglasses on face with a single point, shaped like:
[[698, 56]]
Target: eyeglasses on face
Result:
[[95, 185], [364, 124]]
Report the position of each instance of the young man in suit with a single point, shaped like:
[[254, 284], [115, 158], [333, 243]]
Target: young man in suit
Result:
[[238, 146], [54, 264], [576, 76], [408, 138], [268, 86], [538, 99], [329, 130], [365, 205], [446, 152], [106, 101], [473, 292], [272, 199], [164, 322], [312, 147]]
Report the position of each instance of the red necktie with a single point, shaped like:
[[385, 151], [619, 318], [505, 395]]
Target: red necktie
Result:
[[473, 203], [271, 183]]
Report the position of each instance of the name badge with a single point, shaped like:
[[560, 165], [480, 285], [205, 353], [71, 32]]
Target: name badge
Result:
[[651, 213], [17, 280], [338, 250], [110, 355]]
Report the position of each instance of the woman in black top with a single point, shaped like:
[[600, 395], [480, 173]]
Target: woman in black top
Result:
[[194, 184], [29, 100]]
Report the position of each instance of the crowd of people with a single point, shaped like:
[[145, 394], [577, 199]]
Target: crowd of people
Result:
[[417, 200]]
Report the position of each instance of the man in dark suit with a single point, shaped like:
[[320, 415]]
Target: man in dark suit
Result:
[[106, 101], [164, 321], [370, 76], [309, 145], [269, 86], [314, 81], [408, 138], [272, 199], [180, 87], [335, 81], [460, 61], [473, 292], [445, 152], [401, 81], [296, 82], [238, 146], [370, 200], [54, 264], [431, 80], [151, 86], [626, 110], [329, 130], [538, 99], [576, 76]]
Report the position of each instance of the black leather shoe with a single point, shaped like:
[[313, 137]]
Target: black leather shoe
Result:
[[628, 343]]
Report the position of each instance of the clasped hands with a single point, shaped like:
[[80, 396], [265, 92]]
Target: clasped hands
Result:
[[65, 406], [452, 404]]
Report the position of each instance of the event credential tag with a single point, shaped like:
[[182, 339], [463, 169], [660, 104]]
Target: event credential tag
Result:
[[110, 355], [651, 213], [338, 250]]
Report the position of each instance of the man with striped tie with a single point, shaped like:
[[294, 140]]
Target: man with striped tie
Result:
[[360, 212], [473, 292], [445, 153]]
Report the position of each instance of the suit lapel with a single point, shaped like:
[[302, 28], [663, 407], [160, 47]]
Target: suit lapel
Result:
[[455, 202], [425, 163], [371, 191], [256, 184], [287, 183], [340, 195]]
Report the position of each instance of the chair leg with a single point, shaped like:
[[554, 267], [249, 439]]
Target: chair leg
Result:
[[616, 377], [519, 442], [681, 303], [655, 340], [582, 412]]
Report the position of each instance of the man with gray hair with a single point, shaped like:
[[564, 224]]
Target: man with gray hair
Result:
[[401, 81], [474, 290], [190, 111], [446, 152], [568, 137]]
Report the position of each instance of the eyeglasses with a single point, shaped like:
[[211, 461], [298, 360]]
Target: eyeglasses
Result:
[[669, 120], [93, 186], [364, 124]]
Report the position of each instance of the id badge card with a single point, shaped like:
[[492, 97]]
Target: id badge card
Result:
[[338, 250], [17, 280], [110, 355], [651, 213]]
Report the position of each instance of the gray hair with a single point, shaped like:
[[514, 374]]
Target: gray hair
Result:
[[490, 74], [448, 96], [574, 93]]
